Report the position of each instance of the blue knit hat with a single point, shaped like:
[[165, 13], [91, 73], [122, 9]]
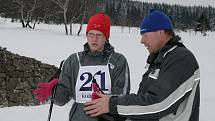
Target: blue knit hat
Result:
[[154, 21]]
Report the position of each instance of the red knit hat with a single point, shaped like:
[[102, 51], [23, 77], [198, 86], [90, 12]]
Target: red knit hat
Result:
[[100, 22]]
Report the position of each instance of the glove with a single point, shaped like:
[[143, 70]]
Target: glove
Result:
[[95, 89], [45, 90]]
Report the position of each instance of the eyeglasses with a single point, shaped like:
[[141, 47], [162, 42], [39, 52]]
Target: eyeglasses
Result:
[[92, 35]]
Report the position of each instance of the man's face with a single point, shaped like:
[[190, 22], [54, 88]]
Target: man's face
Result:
[[152, 41], [96, 40]]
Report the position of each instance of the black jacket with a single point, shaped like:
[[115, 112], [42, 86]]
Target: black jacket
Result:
[[169, 90]]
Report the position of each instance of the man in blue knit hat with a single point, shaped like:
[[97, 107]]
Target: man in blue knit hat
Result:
[[169, 90]]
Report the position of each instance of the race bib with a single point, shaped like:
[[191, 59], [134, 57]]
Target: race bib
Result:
[[84, 81]]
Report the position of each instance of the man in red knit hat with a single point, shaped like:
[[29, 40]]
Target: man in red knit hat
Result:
[[98, 68]]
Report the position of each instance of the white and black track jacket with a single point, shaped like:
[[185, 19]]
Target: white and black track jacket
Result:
[[169, 90]]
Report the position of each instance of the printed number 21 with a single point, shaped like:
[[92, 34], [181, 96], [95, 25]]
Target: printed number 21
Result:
[[84, 87]]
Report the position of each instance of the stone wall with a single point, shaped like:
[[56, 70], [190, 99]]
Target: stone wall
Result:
[[19, 76]]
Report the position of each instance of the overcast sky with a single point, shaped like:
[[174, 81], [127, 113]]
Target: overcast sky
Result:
[[184, 2]]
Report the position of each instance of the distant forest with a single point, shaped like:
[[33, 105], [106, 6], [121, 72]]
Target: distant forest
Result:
[[122, 13]]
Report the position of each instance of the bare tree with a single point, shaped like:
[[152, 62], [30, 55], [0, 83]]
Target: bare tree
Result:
[[77, 12], [21, 7], [35, 4], [83, 18], [47, 14], [26, 9], [63, 4]]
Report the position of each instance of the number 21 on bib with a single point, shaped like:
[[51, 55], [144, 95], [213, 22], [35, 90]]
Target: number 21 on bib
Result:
[[86, 74]]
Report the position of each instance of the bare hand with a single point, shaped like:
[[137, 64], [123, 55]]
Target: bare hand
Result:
[[97, 107]]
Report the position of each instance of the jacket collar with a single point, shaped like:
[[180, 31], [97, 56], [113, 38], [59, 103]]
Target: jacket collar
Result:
[[157, 58]]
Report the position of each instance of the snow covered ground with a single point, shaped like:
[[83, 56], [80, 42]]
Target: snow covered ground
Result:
[[49, 44]]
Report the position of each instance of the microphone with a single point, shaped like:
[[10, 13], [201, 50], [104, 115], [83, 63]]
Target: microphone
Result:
[[95, 84]]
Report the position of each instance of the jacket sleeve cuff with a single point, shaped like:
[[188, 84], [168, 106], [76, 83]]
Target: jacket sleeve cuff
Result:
[[113, 105]]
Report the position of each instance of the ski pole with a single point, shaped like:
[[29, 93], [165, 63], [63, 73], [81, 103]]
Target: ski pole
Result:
[[55, 76]]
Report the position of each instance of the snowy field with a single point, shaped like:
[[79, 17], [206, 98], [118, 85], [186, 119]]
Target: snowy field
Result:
[[49, 44]]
